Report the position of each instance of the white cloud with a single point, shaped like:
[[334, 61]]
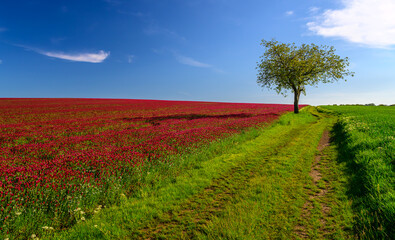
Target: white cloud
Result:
[[79, 57], [1, 61], [289, 13], [367, 22], [194, 63], [191, 62], [76, 57], [314, 9], [3, 29]]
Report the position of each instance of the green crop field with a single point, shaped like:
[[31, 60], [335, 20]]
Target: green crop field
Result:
[[366, 135]]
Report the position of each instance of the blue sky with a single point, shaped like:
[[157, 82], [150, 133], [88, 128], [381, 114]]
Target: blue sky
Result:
[[188, 49]]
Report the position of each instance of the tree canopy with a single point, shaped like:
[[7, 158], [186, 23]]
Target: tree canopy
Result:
[[286, 67]]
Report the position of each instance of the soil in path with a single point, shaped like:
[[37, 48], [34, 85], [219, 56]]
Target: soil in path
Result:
[[326, 197], [195, 213], [315, 174]]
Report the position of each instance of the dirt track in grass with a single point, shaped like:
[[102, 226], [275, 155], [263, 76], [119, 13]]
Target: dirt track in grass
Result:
[[196, 217], [316, 175], [198, 211]]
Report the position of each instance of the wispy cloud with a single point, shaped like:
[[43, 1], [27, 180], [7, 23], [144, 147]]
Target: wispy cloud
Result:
[[366, 22], [75, 57], [3, 29], [314, 9], [1, 61], [195, 63], [79, 57], [289, 13], [191, 62]]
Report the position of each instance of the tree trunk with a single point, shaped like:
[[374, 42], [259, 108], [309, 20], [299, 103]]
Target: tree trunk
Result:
[[296, 101]]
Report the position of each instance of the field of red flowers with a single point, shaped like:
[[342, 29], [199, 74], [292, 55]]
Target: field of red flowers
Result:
[[62, 159]]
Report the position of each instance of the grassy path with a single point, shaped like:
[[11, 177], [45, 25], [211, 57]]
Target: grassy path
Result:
[[269, 187], [327, 213], [197, 212]]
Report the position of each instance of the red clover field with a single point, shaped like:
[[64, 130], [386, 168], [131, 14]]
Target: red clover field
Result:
[[63, 160]]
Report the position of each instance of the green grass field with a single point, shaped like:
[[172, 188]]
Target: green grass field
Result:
[[366, 136]]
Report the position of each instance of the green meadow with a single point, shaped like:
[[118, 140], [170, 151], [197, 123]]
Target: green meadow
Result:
[[366, 139]]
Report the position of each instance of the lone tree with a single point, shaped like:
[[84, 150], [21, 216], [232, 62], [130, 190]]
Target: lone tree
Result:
[[287, 67]]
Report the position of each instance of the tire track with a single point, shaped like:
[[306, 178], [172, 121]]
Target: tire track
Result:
[[198, 210], [302, 231]]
